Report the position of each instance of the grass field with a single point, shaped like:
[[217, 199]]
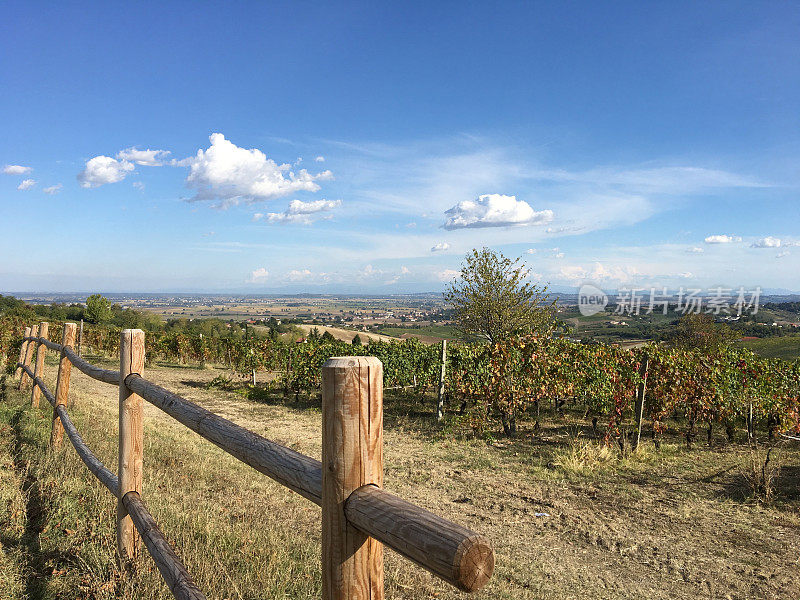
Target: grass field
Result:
[[441, 332], [569, 518], [787, 347]]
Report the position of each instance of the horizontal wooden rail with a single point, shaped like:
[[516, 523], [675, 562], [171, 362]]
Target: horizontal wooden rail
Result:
[[93, 371], [458, 555], [461, 557], [98, 469], [173, 572], [169, 564], [288, 467]]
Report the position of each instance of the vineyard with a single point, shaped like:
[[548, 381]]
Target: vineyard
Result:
[[489, 384]]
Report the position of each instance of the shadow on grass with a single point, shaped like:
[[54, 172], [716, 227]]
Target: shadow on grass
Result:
[[38, 566]]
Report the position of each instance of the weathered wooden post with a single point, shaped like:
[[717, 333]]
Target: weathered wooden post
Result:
[[39, 368], [440, 403], [131, 439], [27, 361], [22, 350], [62, 384], [352, 457], [638, 408]]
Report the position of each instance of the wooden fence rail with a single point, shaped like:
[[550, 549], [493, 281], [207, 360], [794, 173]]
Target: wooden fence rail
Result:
[[358, 516]]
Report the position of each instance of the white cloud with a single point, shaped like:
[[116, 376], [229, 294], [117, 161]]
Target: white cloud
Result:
[[530, 251], [695, 250], [782, 254], [147, 158], [26, 184], [599, 272], [440, 247], [403, 272], [767, 242], [300, 212], [232, 174], [16, 170], [299, 275], [101, 170], [53, 189], [494, 210], [686, 275], [448, 275], [138, 185], [320, 159], [258, 276], [722, 239]]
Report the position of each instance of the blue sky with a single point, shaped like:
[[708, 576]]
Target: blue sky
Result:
[[356, 147]]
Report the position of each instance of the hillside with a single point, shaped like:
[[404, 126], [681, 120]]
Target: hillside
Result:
[[569, 519]]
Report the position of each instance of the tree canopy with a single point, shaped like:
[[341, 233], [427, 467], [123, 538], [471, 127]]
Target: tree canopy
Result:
[[493, 299], [98, 309]]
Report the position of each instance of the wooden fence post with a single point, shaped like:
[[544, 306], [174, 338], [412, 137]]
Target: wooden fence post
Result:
[[131, 439], [62, 384], [638, 408], [80, 338], [440, 403], [352, 457], [28, 356], [39, 369], [22, 349]]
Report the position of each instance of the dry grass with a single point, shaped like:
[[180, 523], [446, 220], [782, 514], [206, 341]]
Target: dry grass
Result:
[[760, 469], [570, 518]]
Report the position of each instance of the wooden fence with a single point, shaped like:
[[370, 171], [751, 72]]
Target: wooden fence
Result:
[[358, 516]]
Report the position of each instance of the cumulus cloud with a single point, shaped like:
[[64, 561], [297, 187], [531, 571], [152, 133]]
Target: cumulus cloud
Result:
[[530, 251], [686, 275], [767, 242], [440, 247], [16, 170], [695, 250], [299, 275], [722, 239], [258, 276], [101, 170], [494, 210], [301, 212], [600, 272], [403, 272], [53, 189], [782, 254], [26, 184], [230, 174], [320, 159], [147, 158]]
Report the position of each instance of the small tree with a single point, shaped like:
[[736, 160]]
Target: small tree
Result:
[[700, 332], [356, 340], [98, 309], [328, 337], [492, 299]]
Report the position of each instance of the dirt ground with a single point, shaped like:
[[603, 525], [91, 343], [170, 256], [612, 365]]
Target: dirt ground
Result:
[[565, 522]]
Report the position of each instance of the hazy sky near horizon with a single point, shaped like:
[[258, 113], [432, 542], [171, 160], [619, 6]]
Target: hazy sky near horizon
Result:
[[363, 147]]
